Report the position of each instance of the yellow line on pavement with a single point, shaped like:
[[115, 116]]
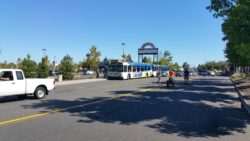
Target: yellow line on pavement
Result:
[[143, 90], [26, 117], [65, 109]]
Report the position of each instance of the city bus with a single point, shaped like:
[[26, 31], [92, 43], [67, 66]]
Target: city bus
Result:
[[130, 70]]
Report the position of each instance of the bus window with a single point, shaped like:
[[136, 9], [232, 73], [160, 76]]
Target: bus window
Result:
[[116, 68], [142, 68], [134, 68], [129, 68], [138, 68], [125, 69]]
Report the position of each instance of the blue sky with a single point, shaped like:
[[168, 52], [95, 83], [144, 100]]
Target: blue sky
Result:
[[185, 28]]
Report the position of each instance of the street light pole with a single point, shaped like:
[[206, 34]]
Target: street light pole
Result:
[[54, 63], [123, 54], [44, 50]]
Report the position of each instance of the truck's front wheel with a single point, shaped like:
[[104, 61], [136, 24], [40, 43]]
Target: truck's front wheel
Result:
[[40, 92]]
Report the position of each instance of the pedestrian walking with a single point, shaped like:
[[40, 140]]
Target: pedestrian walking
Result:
[[105, 71], [186, 76], [97, 72], [159, 76]]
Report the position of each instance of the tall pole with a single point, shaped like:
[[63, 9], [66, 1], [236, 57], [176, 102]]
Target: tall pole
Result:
[[54, 63], [44, 50], [123, 54], [123, 50]]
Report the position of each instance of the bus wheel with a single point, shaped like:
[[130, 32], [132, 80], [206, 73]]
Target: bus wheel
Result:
[[129, 77]]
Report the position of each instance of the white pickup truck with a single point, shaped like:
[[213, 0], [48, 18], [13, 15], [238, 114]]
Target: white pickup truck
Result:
[[13, 82]]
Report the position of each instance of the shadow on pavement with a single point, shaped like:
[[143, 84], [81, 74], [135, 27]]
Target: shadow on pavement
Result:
[[8, 99], [191, 111]]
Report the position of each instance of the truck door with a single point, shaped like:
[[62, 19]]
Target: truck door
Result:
[[7, 84], [20, 83]]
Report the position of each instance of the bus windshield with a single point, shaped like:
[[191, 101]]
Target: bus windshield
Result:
[[116, 68]]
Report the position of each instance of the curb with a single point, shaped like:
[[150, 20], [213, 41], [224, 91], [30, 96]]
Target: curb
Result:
[[243, 102]]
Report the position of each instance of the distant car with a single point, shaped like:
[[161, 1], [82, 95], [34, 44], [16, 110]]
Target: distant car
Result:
[[211, 73], [179, 73], [88, 72], [54, 72], [163, 74], [203, 73], [193, 73]]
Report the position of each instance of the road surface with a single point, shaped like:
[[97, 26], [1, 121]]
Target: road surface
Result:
[[207, 109]]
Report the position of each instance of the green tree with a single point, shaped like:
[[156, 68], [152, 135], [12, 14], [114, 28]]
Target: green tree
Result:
[[166, 59], [237, 34], [147, 60], [202, 67], [106, 62], [221, 8], [167, 56], [175, 66], [164, 62], [19, 60], [79, 66], [67, 67], [43, 68], [6, 65], [29, 67], [236, 28], [213, 65], [93, 58], [127, 58], [185, 65]]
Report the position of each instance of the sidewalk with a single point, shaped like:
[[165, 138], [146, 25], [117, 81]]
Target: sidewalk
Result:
[[243, 88], [70, 82]]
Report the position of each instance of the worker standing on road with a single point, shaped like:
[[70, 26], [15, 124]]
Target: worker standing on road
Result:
[[186, 76], [171, 74], [159, 76]]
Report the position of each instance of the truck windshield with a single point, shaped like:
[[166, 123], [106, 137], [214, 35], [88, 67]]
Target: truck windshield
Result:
[[116, 68]]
